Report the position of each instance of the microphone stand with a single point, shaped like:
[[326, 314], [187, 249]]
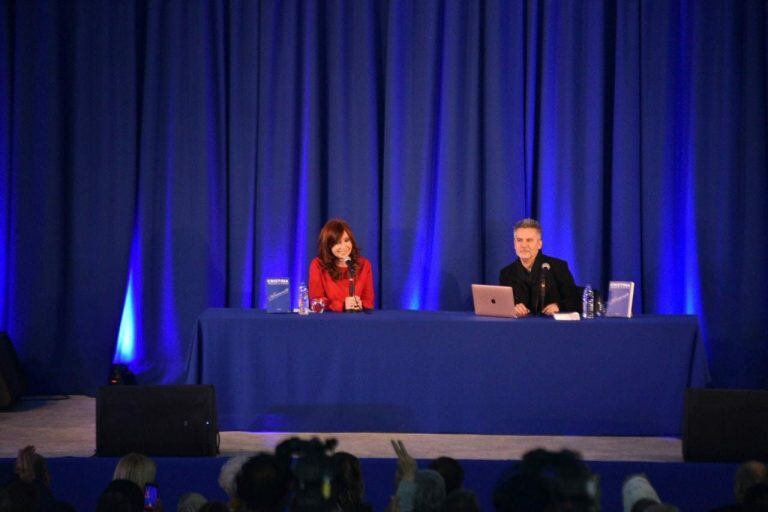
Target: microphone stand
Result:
[[542, 287]]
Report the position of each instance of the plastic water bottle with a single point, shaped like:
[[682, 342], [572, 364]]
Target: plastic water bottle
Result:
[[303, 299], [588, 303]]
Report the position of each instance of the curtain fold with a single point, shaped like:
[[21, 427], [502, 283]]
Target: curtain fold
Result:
[[71, 170], [198, 148]]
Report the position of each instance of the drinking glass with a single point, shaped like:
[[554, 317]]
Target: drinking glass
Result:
[[317, 305]]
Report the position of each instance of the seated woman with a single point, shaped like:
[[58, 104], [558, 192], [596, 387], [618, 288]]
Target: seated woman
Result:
[[339, 274]]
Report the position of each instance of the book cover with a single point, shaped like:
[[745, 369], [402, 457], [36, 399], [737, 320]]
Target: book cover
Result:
[[620, 295], [278, 295]]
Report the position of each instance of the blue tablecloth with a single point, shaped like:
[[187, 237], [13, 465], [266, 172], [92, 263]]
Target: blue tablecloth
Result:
[[429, 371]]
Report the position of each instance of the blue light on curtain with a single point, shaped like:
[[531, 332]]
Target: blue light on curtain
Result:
[[306, 162], [169, 331], [671, 247], [126, 335], [685, 120], [130, 341]]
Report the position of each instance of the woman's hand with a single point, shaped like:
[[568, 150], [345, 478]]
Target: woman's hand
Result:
[[353, 304]]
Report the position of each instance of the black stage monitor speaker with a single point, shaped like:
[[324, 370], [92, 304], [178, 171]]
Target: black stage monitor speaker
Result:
[[725, 425], [157, 420], [11, 379]]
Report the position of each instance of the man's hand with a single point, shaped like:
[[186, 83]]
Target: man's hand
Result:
[[550, 309], [521, 310], [406, 465]]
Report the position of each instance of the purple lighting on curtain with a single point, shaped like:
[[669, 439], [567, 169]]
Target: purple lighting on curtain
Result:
[[300, 233], [305, 127], [690, 256], [169, 329], [418, 275], [687, 164], [678, 281], [247, 299]]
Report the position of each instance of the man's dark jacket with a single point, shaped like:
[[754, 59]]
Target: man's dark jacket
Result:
[[560, 287]]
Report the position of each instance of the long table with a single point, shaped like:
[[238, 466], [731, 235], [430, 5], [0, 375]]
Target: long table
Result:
[[443, 372]]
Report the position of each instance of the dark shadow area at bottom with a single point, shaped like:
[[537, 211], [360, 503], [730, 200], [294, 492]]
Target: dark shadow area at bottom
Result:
[[690, 486]]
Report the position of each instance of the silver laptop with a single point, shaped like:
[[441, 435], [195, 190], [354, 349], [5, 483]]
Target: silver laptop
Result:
[[493, 300]]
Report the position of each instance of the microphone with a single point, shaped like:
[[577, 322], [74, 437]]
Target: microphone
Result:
[[350, 265], [543, 285], [351, 270]]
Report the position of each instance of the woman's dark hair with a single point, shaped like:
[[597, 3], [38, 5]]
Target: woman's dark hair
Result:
[[330, 235], [263, 483], [451, 471], [20, 495], [348, 486], [121, 496], [214, 506]]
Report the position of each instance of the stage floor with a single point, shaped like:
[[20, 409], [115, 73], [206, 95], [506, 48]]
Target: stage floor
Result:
[[67, 428]]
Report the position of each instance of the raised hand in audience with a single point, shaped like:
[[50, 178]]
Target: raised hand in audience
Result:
[[406, 465]]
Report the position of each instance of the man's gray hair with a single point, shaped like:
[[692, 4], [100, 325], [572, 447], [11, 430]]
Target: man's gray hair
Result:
[[528, 223], [191, 502]]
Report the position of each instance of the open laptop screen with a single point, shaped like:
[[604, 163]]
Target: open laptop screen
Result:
[[493, 300]]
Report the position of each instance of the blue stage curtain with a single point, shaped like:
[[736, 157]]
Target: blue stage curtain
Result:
[[193, 149]]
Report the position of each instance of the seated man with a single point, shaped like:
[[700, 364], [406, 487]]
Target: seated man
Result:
[[525, 276]]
